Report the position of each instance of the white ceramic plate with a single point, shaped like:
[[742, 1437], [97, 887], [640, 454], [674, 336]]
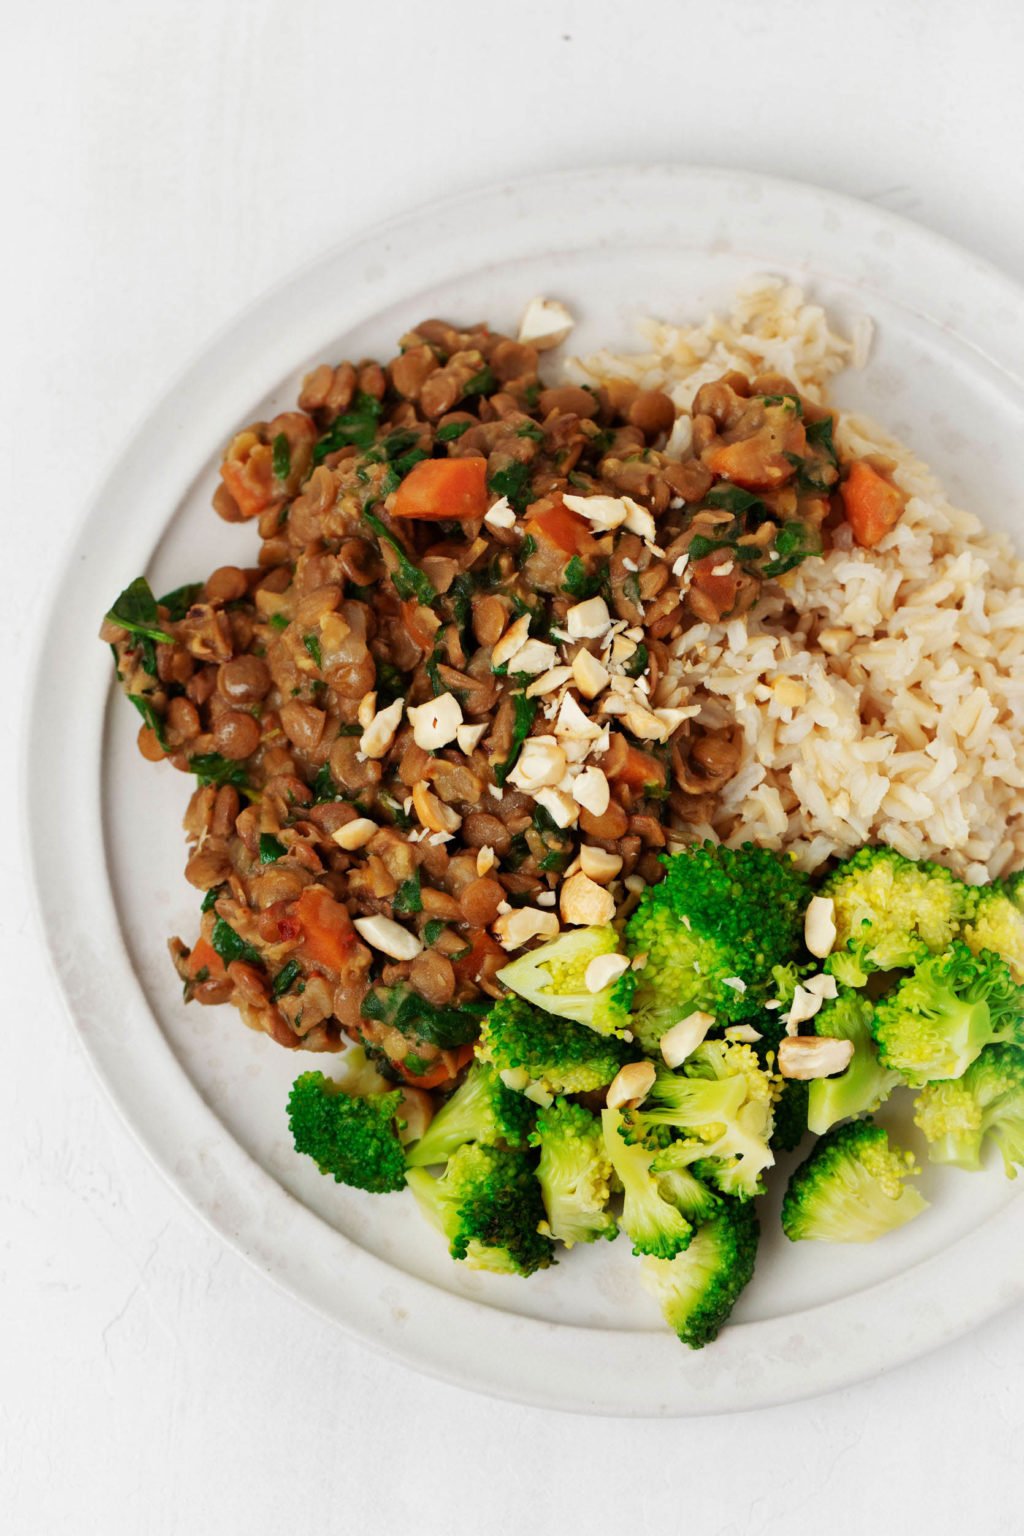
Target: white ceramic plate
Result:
[[204, 1096]]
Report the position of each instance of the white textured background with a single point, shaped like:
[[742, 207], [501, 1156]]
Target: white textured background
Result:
[[162, 165]]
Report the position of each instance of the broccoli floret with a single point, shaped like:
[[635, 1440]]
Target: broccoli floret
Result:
[[891, 912], [866, 1083], [852, 1188], [652, 1222], [698, 1289], [712, 932], [997, 924], [790, 1115], [681, 1185], [938, 1020], [353, 1138], [988, 1100], [721, 1103], [488, 1204], [574, 1174], [481, 1109], [552, 977], [561, 1056]]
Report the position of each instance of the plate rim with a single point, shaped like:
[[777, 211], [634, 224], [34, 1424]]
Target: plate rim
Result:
[[590, 1394]]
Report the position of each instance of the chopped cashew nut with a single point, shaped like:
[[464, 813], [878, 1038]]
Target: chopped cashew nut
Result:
[[589, 620], [355, 834], [807, 1056], [432, 812], [674, 718], [603, 511], [745, 1034], [804, 1006], [680, 438], [467, 736], [562, 808], [388, 936], [588, 674], [603, 970], [548, 682], [519, 926], [683, 1038], [822, 985], [540, 762], [573, 722], [645, 726], [820, 926], [584, 903], [598, 864], [590, 789], [631, 1085], [367, 709], [380, 733], [545, 323], [639, 520], [516, 1078], [514, 638], [501, 514], [485, 859], [535, 656], [435, 723]]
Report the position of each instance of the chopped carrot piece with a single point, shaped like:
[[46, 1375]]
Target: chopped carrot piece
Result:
[[638, 769], [873, 505], [204, 957], [328, 935], [441, 1071], [764, 461], [719, 585], [557, 525], [443, 488], [485, 957]]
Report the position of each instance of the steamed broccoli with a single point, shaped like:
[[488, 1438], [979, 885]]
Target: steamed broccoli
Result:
[[721, 1104], [574, 1174], [866, 1083], [988, 1100], [481, 1109], [790, 1112], [681, 1185], [891, 912], [488, 1204], [552, 977], [790, 1115], [711, 931], [997, 923], [698, 1289], [852, 1188], [936, 1021], [353, 1138], [561, 1056], [653, 1223]]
